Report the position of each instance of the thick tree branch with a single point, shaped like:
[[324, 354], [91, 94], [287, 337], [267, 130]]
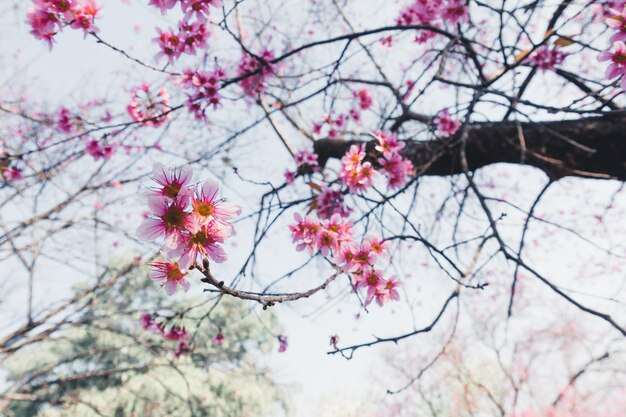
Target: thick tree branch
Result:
[[589, 147]]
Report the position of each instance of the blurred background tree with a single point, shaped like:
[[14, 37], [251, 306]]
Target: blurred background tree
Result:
[[100, 361]]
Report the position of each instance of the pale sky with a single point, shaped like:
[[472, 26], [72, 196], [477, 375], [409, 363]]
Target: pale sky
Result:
[[78, 69]]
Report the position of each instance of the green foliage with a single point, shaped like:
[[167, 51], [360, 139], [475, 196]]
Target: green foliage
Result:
[[103, 363]]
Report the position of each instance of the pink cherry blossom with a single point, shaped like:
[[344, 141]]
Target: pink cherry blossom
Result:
[[168, 219], [330, 202], [171, 275], [618, 22], [546, 58], [176, 333], [163, 5], [181, 347], [147, 321], [282, 343], [306, 158], [388, 144], [44, 25], [202, 89], [455, 11], [85, 16], [99, 151], [198, 8], [290, 176], [207, 207], [170, 44], [304, 233], [202, 242], [357, 175], [365, 100], [219, 339], [255, 72], [397, 170], [446, 125], [48, 17], [172, 183], [148, 109], [64, 120], [11, 173], [618, 62]]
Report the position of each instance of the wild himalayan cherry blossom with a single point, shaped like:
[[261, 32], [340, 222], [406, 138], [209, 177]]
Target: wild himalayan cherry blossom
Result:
[[202, 88], [365, 100], [433, 13], [98, 150], [306, 158], [175, 333], [192, 30], [546, 58], [290, 176], [11, 173], [356, 174], [48, 17], [334, 238], [333, 124], [255, 71], [172, 184], [64, 120], [171, 275], [193, 219], [219, 339], [330, 202], [393, 165], [163, 5], [306, 163], [618, 22], [198, 8], [618, 62], [148, 109], [185, 39], [446, 125], [282, 343]]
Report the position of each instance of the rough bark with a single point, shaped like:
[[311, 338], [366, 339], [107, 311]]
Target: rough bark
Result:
[[590, 147]]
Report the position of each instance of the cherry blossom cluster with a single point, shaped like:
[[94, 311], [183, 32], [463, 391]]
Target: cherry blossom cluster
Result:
[[99, 150], [616, 57], [326, 236], [202, 91], [608, 7], [306, 163], [186, 39], [356, 174], [334, 237], [65, 120], [330, 202], [175, 333], [393, 165], [433, 13], [546, 58], [446, 125], [149, 109], [335, 124], [193, 219], [365, 100], [254, 71], [48, 17], [8, 171], [192, 32]]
